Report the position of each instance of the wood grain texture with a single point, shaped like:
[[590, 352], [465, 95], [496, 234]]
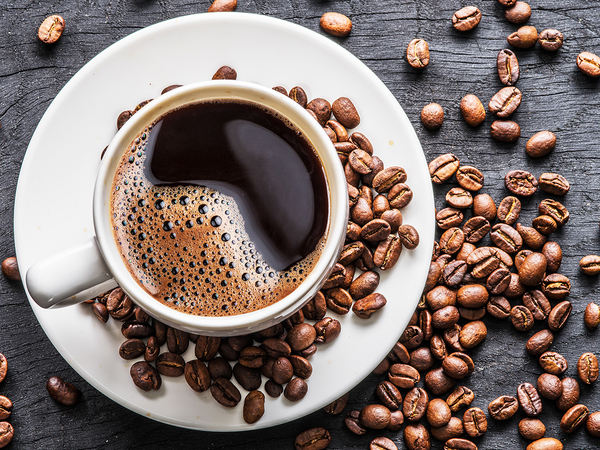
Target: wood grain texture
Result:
[[556, 96]]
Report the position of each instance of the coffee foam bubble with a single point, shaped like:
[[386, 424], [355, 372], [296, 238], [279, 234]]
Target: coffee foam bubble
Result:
[[188, 248]]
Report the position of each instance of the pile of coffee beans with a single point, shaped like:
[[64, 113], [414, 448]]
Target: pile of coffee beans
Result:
[[7, 431]]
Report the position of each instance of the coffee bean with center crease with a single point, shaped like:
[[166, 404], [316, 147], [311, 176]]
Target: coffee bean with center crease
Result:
[[554, 209], [509, 210], [382, 443], [498, 307], [388, 177], [6, 407], [403, 376], [453, 273], [119, 305], [475, 422], [449, 218], [503, 407], [508, 69], [575, 417], [538, 304], [451, 240], [521, 318], [556, 286], [539, 343], [443, 167], [518, 13], [412, 337], [520, 182], [353, 424], [170, 364], [469, 178], [461, 396], [540, 144], [145, 376], [366, 306], [455, 367], [529, 399], [553, 363], [476, 228], [466, 18], [498, 281], [415, 404], [197, 375], [409, 236], [587, 368], [389, 395], [590, 264], [207, 347], [524, 37], [589, 64], [506, 238], [387, 253], [400, 195], [327, 330], [417, 53], [416, 437], [338, 300], [132, 348], [225, 392], [177, 341], [559, 315], [459, 198], [472, 110], [7, 432], [505, 130], [544, 224], [361, 161], [222, 6], [550, 39], [51, 29], [338, 405], [484, 261], [459, 444], [505, 102]]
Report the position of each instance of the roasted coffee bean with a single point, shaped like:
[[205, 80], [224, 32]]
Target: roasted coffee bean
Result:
[[338, 300], [382, 443], [498, 281], [593, 424], [396, 421], [254, 408], [345, 112], [380, 205], [503, 407], [417, 53], [556, 286], [366, 306], [459, 198], [197, 375], [434, 274], [455, 367], [438, 382], [459, 444], [375, 417], [145, 376], [464, 252], [575, 417], [553, 254], [7, 432], [361, 161], [422, 359], [409, 236], [399, 196], [100, 312], [539, 343], [472, 334], [470, 178], [254, 357], [570, 394], [520, 182], [403, 376], [416, 437], [506, 238], [532, 269], [509, 210], [225, 392], [302, 335], [540, 144], [222, 6], [559, 315], [321, 108], [524, 37], [388, 177], [443, 167], [449, 218], [555, 210], [299, 96], [545, 225], [520, 257], [589, 64], [438, 347], [273, 389], [521, 318], [515, 289], [531, 237], [518, 13], [475, 422], [451, 336], [327, 330], [10, 269], [389, 395], [51, 29], [353, 424], [440, 297], [362, 142], [466, 18], [591, 318], [249, 378], [338, 405], [123, 118], [132, 348], [335, 278], [225, 73], [453, 273], [432, 116], [343, 150], [175, 86], [590, 264], [508, 71], [472, 296], [587, 368], [275, 347], [412, 337], [505, 130], [336, 24], [553, 363], [531, 429], [472, 110], [483, 205], [119, 305], [387, 253], [353, 178], [207, 347], [365, 284], [6, 407], [415, 404], [62, 392], [351, 252], [538, 304], [170, 364], [505, 102], [341, 135], [399, 353], [529, 399], [451, 240], [160, 331], [453, 429], [177, 341], [444, 260], [476, 228], [549, 386], [545, 444], [461, 396], [499, 307], [367, 179], [438, 413], [133, 330]]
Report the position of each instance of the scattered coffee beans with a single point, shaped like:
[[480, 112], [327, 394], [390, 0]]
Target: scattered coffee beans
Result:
[[336, 24], [62, 392], [432, 116], [10, 269], [223, 6], [472, 110], [589, 64], [518, 13], [51, 29], [466, 18]]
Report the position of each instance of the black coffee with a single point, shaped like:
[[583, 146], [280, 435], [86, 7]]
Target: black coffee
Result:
[[220, 208]]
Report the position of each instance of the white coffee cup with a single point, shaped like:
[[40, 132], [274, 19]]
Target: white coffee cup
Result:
[[60, 279]]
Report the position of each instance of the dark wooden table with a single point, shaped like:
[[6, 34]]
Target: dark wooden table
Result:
[[556, 96]]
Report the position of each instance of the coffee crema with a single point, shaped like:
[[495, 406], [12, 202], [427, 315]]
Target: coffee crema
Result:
[[220, 208]]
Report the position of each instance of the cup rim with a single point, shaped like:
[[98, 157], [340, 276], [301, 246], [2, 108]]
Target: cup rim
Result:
[[336, 227]]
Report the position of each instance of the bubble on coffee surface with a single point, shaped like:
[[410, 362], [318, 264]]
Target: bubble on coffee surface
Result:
[[187, 245]]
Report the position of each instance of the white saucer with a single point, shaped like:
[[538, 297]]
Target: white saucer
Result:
[[54, 195]]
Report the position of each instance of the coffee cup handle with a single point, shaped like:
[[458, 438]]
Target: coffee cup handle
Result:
[[69, 277]]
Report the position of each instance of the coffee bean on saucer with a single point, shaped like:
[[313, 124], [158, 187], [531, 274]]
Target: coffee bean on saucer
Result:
[[550, 39], [589, 64], [123, 118], [225, 392], [417, 53], [225, 73], [519, 13], [345, 112], [222, 6], [472, 110], [51, 29], [336, 24], [170, 364], [170, 88], [254, 406], [132, 349], [524, 37], [313, 439], [7, 432], [145, 376], [62, 392], [432, 116], [466, 18], [295, 390]]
